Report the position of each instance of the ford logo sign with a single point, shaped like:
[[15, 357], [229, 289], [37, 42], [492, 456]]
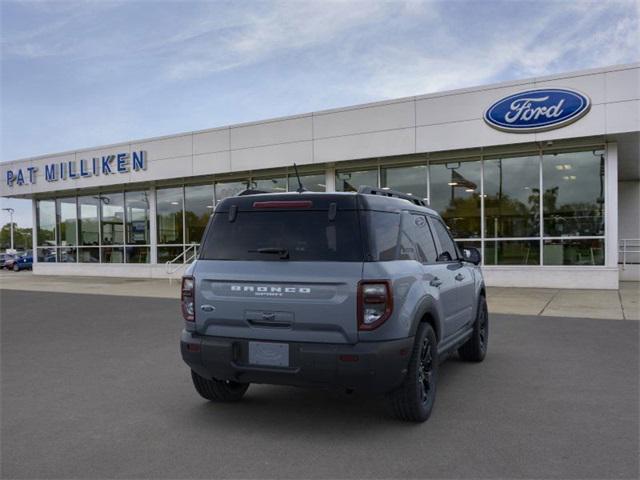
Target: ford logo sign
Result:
[[537, 110]]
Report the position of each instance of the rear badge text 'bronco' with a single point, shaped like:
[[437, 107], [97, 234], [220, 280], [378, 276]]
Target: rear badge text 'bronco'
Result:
[[269, 291]]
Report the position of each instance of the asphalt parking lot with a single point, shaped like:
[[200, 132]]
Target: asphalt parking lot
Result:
[[93, 387]]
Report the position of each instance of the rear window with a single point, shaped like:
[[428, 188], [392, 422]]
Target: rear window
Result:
[[284, 236]]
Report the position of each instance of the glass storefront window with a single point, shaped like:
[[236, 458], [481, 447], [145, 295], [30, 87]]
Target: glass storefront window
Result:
[[512, 252], [411, 180], [46, 217], [169, 207], [115, 227], [351, 181], [229, 189], [278, 184], [573, 198], [198, 207], [88, 227], [166, 254], [112, 218], [89, 255], [512, 197], [137, 254], [67, 221], [47, 254], [137, 218], [67, 255], [112, 255], [455, 195], [312, 183], [574, 252]]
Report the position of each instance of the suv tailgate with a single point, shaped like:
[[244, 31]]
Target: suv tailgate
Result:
[[281, 301]]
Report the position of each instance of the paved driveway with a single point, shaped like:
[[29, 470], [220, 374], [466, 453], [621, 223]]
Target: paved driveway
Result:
[[93, 387]]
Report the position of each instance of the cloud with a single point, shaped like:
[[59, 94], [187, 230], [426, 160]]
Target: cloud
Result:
[[525, 47], [287, 26]]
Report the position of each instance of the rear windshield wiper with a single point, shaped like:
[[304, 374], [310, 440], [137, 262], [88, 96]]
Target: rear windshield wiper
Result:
[[283, 252]]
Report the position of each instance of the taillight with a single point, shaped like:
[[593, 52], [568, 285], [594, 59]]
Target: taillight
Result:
[[375, 303], [187, 299], [284, 204]]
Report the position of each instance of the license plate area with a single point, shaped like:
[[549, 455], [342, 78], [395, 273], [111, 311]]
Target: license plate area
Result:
[[269, 354]]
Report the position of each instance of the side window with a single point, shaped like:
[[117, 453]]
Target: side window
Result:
[[384, 232], [416, 231], [407, 249], [448, 251], [408, 244], [424, 239]]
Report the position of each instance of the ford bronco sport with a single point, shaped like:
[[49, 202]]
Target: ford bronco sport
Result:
[[362, 291]]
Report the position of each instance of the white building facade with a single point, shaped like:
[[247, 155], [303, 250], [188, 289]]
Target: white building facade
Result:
[[542, 175]]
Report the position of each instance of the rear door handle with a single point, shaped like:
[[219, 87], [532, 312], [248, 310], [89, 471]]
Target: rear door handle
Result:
[[435, 282], [459, 277]]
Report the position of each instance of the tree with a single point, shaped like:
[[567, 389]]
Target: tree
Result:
[[21, 237]]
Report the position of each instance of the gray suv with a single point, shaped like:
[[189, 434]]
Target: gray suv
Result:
[[362, 291]]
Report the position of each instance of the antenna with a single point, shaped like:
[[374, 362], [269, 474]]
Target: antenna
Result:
[[300, 188]]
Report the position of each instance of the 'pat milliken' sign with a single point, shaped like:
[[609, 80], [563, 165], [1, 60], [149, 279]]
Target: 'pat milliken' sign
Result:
[[72, 169], [537, 110]]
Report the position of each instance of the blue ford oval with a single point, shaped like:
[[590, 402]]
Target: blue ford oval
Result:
[[537, 110]]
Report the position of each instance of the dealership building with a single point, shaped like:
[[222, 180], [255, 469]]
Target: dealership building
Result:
[[541, 174]]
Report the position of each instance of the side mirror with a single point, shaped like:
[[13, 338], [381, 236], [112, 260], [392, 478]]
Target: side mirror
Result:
[[472, 255], [444, 257]]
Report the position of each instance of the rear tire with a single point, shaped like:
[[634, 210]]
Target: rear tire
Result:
[[475, 349], [413, 400], [218, 390], [16, 268]]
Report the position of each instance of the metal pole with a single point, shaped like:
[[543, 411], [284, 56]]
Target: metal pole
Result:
[[11, 220], [11, 211]]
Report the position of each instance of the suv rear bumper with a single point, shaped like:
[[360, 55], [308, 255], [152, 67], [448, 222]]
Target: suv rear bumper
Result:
[[374, 367]]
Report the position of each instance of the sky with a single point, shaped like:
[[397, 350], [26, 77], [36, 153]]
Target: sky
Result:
[[87, 73]]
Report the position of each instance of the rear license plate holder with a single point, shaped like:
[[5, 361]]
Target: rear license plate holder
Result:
[[269, 354]]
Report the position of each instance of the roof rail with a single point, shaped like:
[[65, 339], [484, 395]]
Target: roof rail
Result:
[[391, 193], [249, 191]]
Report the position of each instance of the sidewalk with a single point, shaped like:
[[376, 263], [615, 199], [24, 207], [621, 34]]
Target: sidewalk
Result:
[[623, 304]]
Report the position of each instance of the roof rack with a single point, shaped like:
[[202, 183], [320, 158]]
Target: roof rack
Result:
[[391, 193], [250, 191]]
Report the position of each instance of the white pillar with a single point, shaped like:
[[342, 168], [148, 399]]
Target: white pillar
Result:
[[153, 233], [330, 178], [611, 205]]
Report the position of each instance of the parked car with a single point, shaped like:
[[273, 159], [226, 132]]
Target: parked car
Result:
[[23, 262], [362, 291], [8, 261]]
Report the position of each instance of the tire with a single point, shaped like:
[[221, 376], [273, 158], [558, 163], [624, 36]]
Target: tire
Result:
[[217, 390], [16, 268], [475, 349], [413, 400]]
